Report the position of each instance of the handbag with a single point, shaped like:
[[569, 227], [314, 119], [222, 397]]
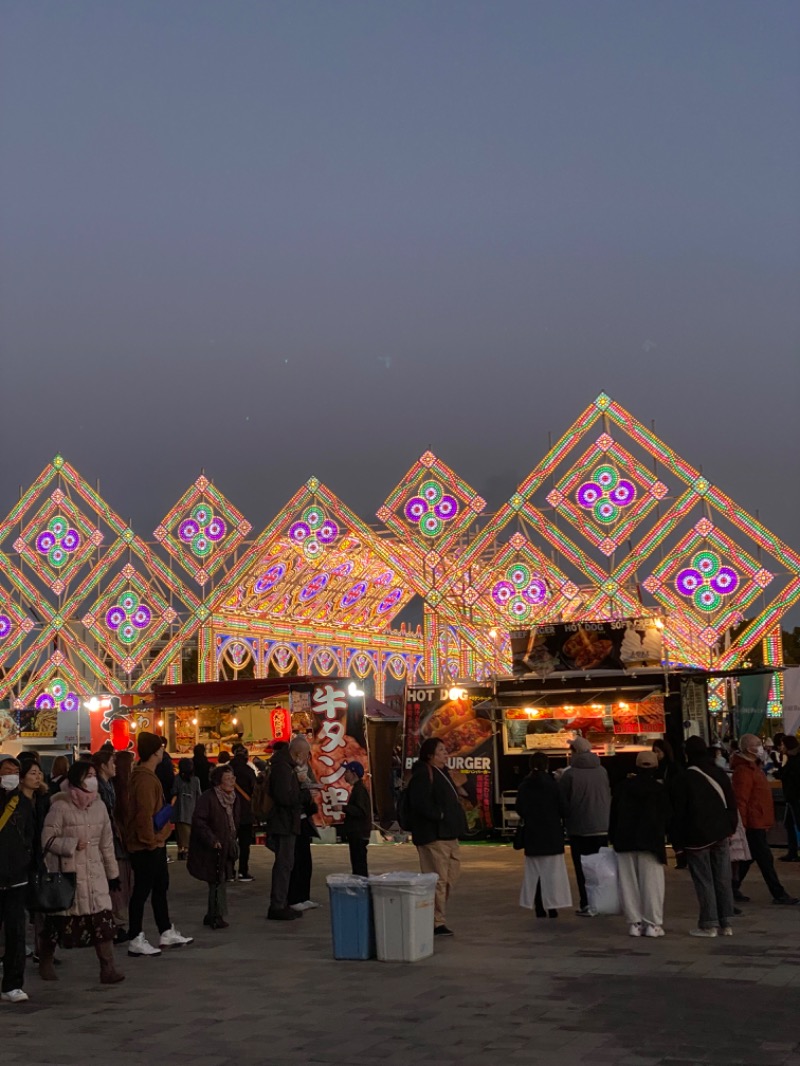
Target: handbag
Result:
[[519, 837], [50, 892]]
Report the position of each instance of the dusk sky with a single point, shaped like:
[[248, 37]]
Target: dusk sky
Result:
[[283, 239]]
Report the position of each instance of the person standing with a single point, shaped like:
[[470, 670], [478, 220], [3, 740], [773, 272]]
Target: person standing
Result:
[[77, 838], [299, 895], [283, 825], [437, 820], [790, 782], [357, 824], [147, 846], [58, 772], [704, 818], [545, 885], [165, 772], [202, 767], [754, 799], [586, 797], [105, 762], [212, 844], [17, 829], [120, 901], [245, 777], [185, 794], [637, 830]]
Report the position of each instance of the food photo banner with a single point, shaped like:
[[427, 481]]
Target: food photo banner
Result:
[[622, 644]]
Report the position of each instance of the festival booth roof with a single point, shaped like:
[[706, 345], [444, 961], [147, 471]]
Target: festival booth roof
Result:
[[221, 693], [380, 712]]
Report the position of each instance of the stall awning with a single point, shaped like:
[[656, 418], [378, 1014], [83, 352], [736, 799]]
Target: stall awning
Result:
[[380, 712], [220, 693]]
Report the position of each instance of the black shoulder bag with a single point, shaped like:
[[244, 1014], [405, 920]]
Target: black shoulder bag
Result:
[[50, 892]]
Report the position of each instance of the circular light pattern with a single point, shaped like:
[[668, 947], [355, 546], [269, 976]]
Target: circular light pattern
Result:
[[313, 532], [390, 600], [58, 541], [313, 588], [270, 578], [202, 530], [343, 569], [431, 508], [502, 593], [45, 702], [128, 618], [5, 626], [353, 595], [536, 592], [57, 695], [518, 591], [70, 702], [605, 494], [706, 581]]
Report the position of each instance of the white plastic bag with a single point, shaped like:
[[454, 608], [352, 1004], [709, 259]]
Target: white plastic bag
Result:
[[602, 881]]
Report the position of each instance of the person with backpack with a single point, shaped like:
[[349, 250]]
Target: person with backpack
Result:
[[436, 820], [186, 792]]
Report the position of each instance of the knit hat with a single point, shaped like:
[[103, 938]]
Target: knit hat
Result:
[[647, 760], [9, 758], [355, 768], [147, 744], [579, 746]]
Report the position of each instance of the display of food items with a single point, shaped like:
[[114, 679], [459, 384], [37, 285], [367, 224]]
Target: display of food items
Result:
[[465, 737], [446, 716], [586, 649]]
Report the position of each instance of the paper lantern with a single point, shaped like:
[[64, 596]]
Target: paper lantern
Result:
[[281, 724], [120, 734]]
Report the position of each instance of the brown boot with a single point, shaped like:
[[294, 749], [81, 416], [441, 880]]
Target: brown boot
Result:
[[109, 974], [46, 952]]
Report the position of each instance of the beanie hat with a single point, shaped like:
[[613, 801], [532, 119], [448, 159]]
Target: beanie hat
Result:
[[355, 768], [9, 759], [647, 760], [579, 746], [147, 744]]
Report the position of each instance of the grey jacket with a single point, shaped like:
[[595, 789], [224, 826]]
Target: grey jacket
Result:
[[586, 795]]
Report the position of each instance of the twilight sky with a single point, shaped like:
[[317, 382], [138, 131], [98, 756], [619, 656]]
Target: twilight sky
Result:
[[283, 239]]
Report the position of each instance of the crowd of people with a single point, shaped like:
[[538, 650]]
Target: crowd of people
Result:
[[716, 814]]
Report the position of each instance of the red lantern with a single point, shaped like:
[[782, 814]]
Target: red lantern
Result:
[[281, 724], [120, 734]]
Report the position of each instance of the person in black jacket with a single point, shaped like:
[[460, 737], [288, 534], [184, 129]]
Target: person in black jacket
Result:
[[789, 774], [705, 817], [165, 772], [283, 825], [357, 824], [17, 829], [545, 884], [245, 784], [202, 767], [639, 816], [437, 821]]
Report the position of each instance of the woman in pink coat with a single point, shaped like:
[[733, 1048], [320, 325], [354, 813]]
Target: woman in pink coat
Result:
[[77, 838]]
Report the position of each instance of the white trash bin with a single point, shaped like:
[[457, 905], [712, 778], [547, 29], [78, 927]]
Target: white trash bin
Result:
[[403, 910]]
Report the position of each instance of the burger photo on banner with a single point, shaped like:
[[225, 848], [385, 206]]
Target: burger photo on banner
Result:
[[467, 733]]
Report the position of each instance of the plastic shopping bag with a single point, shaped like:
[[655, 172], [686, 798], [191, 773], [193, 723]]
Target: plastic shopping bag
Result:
[[602, 881]]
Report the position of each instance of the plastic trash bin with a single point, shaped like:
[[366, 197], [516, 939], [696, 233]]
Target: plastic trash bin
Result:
[[403, 907], [351, 917]]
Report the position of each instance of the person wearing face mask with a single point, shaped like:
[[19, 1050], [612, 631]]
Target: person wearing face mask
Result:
[[754, 800], [77, 838], [17, 830], [213, 842]]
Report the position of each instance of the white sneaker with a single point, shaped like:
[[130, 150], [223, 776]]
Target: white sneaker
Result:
[[703, 932], [299, 907], [653, 930], [16, 995], [726, 930], [173, 939], [310, 905], [141, 946], [634, 929]]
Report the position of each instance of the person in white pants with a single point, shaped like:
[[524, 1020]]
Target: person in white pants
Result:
[[639, 815]]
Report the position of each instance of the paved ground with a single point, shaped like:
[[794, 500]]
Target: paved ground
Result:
[[507, 989]]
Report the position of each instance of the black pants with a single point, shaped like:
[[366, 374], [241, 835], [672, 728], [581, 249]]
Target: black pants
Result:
[[12, 919], [790, 822], [282, 871], [358, 855], [300, 881], [584, 846], [762, 856], [244, 834], [150, 878]]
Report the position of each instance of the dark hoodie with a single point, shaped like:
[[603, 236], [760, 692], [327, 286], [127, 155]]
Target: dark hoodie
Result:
[[586, 795], [640, 813]]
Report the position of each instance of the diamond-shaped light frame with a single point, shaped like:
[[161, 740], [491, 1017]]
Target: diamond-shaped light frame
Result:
[[202, 530], [129, 606], [57, 525], [521, 586]]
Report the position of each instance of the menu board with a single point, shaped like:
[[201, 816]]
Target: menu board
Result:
[[621, 644]]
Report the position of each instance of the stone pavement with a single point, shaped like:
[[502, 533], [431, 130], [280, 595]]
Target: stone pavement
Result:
[[507, 989]]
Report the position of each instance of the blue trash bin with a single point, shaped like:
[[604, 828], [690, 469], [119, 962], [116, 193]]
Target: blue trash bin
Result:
[[351, 917]]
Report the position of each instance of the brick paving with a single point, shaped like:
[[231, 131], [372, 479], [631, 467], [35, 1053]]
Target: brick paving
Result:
[[508, 989]]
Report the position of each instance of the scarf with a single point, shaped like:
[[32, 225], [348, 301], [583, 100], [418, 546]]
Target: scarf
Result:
[[82, 800], [226, 801]]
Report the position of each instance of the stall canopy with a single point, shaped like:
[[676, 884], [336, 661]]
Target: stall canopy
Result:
[[218, 693]]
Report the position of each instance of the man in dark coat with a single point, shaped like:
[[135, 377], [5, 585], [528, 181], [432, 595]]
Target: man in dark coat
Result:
[[245, 784], [790, 783], [17, 829], [357, 824], [541, 809], [165, 772], [283, 826]]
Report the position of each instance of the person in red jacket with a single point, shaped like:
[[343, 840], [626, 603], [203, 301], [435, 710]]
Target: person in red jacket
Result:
[[754, 799]]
